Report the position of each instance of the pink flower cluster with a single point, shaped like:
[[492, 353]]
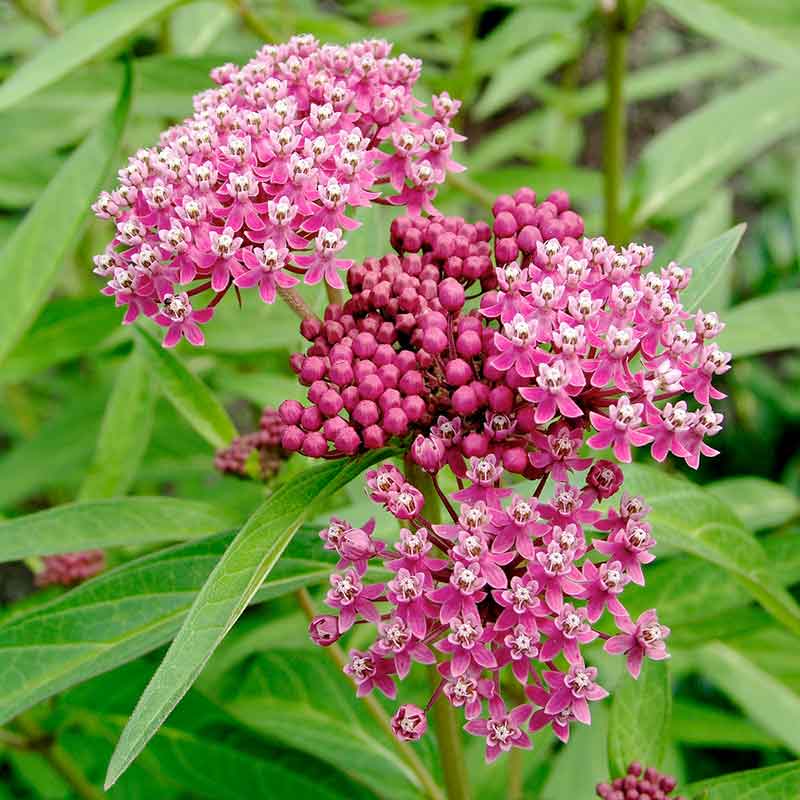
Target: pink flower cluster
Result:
[[639, 784], [571, 336], [509, 581], [71, 568], [265, 443], [254, 188]]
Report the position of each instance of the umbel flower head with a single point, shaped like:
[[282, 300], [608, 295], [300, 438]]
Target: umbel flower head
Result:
[[254, 189], [68, 569], [565, 339], [507, 586], [265, 443], [640, 784]]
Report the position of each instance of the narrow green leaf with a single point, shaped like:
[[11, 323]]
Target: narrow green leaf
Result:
[[640, 717], [120, 615], [23, 177], [124, 432], [794, 208], [766, 700], [84, 40], [32, 256], [687, 517], [190, 396], [68, 327], [759, 503], [725, 23], [520, 72], [236, 578], [708, 265], [763, 325], [698, 725], [694, 151], [770, 783], [110, 523]]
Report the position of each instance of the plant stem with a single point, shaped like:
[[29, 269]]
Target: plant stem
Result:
[[470, 188], [252, 20], [43, 15], [515, 776], [614, 136], [445, 722], [335, 296], [377, 711], [59, 759], [293, 299]]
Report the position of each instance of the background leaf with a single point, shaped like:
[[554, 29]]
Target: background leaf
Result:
[[781, 782], [33, 254], [708, 265], [190, 396], [762, 325], [640, 717]]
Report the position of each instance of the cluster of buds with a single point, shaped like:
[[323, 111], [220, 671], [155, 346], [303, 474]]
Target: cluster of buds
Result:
[[265, 443], [70, 568], [510, 581], [569, 338], [639, 784], [255, 188]]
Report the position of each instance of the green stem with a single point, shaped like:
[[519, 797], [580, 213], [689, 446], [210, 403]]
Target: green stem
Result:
[[252, 20], [377, 711], [294, 300], [59, 759], [470, 188], [614, 144], [445, 722], [515, 775]]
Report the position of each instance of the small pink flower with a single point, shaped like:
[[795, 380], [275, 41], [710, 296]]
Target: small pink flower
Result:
[[324, 263], [503, 730], [180, 319], [645, 638], [409, 723]]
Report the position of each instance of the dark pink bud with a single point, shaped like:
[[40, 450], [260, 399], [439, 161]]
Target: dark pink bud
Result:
[[374, 437], [473, 267], [505, 225], [412, 241], [560, 199], [395, 421], [362, 369], [527, 238], [350, 397], [481, 392], [552, 229], [371, 388], [433, 319], [331, 427], [605, 477], [310, 328], [316, 390], [501, 399], [409, 723], [364, 345], [347, 441], [384, 354], [411, 382], [503, 202], [330, 404], [290, 411], [434, 341], [457, 372], [515, 459], [469, 344], [405, 360], [311, 419], [506, 250], [324, 630], [314, 445], [573, 224], [365, 413], [451, 295], [333, 331], [313, 369], [389, 375], [464, 401], [475, 444], [341, 373], [524, 214], [414, 406], [525, 195], [292, 438], [391, 398]]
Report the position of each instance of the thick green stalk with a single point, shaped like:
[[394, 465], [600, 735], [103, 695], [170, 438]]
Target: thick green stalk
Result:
[[445, 722], [614, 137], [377, 711], [515, 776]]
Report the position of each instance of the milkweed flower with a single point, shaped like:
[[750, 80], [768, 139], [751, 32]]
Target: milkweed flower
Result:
[[639, 783], [514, 589], [258, 187], [68, 569]]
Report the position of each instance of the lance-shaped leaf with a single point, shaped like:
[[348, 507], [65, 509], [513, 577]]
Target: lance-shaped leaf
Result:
[[771, 783], [230, 587], [640, 717], [32, 256], [124, 432], [763, 325], [193, 400], [708, 266], [84, 40]]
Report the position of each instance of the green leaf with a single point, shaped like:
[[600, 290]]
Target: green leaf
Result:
[[24, 176], [110, 523], [767, 701], [32, 256], [68, 327], [759, 503], [298, 699], [519, 73], [686, 517], [763, 325], [640, 717], [770, 783], [118, 616], [231, 586], [722, 21], [190, 396], [698, 725], [708, 265], [693, 150], [124, 432], [84, 40]]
